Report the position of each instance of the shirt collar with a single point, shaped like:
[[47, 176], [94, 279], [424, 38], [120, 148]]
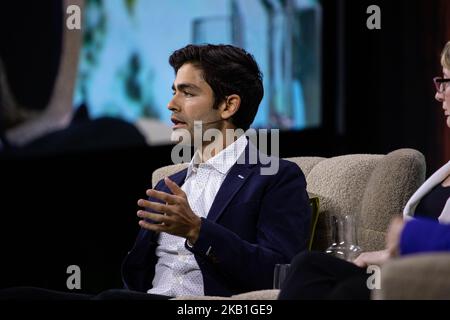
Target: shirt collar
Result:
[[224, 160]]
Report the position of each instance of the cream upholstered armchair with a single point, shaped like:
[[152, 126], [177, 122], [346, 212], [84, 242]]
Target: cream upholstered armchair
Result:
[[372, 188], [415, 277]]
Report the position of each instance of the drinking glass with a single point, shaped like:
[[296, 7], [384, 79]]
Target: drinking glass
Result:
[[279, 275], [353, 250], [344, 240]]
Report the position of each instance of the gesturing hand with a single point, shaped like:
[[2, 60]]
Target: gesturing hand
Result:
[[177, 217]]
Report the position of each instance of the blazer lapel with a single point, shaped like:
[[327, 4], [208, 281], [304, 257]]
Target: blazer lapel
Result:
[[235, 179], [178, 178]]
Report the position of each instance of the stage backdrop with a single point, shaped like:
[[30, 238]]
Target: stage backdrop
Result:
[[124, 70]]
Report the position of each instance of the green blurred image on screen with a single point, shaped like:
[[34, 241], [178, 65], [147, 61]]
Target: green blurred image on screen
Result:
[[124, 70]]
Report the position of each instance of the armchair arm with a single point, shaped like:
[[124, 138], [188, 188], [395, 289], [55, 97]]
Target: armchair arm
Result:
[[252, 295], [271, 294], [414, 277]]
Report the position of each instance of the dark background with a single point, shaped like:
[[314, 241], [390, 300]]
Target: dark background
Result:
[[61, 205]]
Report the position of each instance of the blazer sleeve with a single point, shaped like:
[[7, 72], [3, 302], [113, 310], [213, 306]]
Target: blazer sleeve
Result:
[[422, 235], [282, 231]]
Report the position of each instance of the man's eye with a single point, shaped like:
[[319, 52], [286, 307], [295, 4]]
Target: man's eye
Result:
[[187, 94]]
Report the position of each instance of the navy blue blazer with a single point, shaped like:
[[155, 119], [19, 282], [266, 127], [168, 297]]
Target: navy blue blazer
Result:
[[255, 222]]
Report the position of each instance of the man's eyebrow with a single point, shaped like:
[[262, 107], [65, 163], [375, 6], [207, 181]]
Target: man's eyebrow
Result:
[[183, 86]]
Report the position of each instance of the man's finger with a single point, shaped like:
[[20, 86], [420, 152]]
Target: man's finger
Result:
[[155, 206], [176, 190], [154, 217], [153, 227], [163, 196]]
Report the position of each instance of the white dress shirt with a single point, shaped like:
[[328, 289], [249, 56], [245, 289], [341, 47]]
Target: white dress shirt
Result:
[[177, 272]]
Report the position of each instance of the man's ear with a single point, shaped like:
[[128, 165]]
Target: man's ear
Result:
[[230, 106]]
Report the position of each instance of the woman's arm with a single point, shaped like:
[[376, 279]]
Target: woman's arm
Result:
[[421, 235]]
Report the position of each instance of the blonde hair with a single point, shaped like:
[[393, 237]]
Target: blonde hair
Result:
[[445, 56]]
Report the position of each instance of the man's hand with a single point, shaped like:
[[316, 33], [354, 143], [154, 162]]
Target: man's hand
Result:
[[177, 217]]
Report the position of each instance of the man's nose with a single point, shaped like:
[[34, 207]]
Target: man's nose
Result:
[[172, 105]]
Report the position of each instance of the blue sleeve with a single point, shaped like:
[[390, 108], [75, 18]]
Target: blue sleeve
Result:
[[421, 235]]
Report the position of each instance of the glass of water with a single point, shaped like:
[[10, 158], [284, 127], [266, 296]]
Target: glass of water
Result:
[[279, 275], [344, 239]]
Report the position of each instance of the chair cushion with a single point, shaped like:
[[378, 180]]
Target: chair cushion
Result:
[[162, 172]]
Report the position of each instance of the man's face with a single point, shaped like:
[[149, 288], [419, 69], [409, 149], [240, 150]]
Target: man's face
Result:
[[193, 100]]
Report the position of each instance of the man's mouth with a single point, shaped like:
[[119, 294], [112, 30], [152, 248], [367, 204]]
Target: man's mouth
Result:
[[177, 123]]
